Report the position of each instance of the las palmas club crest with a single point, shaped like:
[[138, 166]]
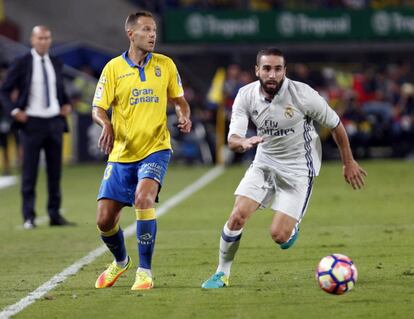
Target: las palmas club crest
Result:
[[157, 70]]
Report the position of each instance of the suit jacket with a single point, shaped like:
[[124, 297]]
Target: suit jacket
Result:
[[19, 76]]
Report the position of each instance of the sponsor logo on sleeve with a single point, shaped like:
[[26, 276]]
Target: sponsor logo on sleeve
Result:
[[99, 92], [179, 80], [102, 79]]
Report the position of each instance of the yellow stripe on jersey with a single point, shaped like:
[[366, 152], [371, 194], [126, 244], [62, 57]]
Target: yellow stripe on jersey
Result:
[[138, 97]]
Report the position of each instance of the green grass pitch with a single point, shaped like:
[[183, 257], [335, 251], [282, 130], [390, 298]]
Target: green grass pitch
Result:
[[375, 227]]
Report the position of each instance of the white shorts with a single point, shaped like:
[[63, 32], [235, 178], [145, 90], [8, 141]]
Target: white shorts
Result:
[[288, 195]]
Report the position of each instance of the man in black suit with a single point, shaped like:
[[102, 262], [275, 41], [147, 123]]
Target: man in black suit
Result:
[[40, 110]]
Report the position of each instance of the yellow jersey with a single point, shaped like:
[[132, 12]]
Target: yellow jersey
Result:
[[138, 97]]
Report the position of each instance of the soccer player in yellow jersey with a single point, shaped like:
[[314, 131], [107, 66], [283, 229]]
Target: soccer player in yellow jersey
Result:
[[137, 86]]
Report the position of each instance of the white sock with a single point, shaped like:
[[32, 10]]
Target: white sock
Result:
[[147, 271], [228, 249], [122, 263]]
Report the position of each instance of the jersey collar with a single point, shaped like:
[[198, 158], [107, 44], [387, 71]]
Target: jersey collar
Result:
[[140, 68], [132, 64], [284, 87], [280, 93]]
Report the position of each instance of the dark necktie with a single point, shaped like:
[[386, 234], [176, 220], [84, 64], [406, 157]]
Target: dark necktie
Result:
[[45, 83]]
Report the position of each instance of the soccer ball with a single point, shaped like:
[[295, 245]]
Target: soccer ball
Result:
[[336, 274]]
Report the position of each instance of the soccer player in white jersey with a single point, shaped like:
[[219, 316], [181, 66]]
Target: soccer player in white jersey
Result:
[[288, 155]]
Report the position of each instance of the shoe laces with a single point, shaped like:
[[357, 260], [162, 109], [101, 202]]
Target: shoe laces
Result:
[[113, 269], [217, 276], [142, 276]]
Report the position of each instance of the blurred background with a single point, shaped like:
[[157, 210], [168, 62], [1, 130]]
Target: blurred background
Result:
[[355, 53]]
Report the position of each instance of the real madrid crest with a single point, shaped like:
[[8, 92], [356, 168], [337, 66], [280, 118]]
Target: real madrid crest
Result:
[[288, 112], [157, 70]]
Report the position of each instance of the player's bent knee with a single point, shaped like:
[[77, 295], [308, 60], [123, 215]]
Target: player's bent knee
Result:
[[105, 220], [144, 200], [105, 223]]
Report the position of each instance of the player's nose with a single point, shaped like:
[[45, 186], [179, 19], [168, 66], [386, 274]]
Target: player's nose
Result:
[[272, 74]]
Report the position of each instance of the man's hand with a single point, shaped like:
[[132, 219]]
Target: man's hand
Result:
[[354, 174], [184, 124], [65, 110], [182, 110], [251, 142], [20, 116], [106, 140]]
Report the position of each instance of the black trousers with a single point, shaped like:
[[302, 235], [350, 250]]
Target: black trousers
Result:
[[38, 134]]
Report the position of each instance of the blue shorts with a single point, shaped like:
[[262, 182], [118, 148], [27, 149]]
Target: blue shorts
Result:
[[121, 179]]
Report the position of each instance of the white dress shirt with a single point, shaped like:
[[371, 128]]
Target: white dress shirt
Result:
[[37, 104]]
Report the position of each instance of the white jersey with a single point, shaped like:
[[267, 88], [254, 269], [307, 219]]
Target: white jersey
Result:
[[291, 145]]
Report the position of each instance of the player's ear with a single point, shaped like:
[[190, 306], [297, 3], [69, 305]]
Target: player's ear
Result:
[[256, 68], [129, 33]]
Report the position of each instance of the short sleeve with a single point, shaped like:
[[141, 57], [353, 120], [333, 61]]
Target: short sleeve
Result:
[[239, 115], [319, 110], [105, 89], [175, 87]]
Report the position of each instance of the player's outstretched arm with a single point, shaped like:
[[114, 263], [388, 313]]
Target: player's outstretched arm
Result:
[[241, 144], [182, 109], [352, 172], [106, 140]]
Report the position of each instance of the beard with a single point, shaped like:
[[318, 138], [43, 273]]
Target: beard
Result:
[[270, 90]]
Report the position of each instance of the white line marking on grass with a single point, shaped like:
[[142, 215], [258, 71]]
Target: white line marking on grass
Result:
[[6, 181], [178, 198], [130, 230]]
